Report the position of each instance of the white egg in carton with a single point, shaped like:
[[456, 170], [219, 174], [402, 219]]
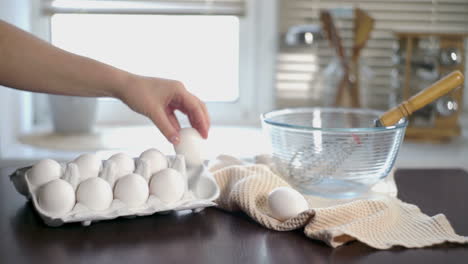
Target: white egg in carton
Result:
[[87, 189]]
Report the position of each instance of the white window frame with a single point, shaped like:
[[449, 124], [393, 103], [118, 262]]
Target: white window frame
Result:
[[257, 56]]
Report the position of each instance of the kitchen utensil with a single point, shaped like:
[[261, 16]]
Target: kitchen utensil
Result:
[[335, 41], [428, 95], [363, 25], [318, 152]]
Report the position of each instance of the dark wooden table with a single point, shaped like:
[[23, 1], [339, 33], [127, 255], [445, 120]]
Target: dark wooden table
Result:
[[214, 236]]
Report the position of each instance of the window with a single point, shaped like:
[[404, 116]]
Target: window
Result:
[[211, 46], [200, 51]]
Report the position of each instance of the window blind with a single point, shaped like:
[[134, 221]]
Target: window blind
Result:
[[299, 68], [179, 7]]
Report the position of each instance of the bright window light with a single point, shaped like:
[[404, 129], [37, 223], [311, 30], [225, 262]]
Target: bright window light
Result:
[[200, 51]]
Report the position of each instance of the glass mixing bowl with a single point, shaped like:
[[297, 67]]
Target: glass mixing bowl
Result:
[[332, 152]]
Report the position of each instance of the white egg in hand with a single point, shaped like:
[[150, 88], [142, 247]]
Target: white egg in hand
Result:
[[124, 164], [191, 145], [44, 171], [286, 203], [168, 185], [89, 165], [132, 189], [56, 198], [94, 193], [157, 161]]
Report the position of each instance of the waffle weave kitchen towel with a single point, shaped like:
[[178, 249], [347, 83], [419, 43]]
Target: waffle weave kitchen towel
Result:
[[380, 220]]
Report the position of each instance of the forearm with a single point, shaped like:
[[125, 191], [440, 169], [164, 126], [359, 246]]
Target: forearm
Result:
[[30, 64]]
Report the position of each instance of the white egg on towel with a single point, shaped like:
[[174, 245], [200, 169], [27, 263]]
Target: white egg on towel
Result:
[[94, 193], [286, 203], [56, 198], [89, 165], [157, 161], [44, 171], [124, 164], [168, 185], [132, 189], [191, 145]]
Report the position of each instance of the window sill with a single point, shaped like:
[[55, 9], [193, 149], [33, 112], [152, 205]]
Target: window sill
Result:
[[237, 141]]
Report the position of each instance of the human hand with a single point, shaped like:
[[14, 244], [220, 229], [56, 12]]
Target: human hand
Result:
[[158, 98]]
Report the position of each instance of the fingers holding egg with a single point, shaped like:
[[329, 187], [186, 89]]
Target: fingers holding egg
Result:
[[191, 146]]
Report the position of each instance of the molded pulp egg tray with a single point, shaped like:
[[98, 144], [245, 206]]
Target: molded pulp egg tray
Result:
[[200, 191]]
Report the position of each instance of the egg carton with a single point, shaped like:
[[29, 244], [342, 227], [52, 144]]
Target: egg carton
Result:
[[200, 191]]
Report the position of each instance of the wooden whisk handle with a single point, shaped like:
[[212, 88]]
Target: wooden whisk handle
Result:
[[421, 99]]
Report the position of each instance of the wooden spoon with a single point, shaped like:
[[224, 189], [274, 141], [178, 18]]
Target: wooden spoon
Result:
[[335, 41], [421, 99], [363, 25]]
